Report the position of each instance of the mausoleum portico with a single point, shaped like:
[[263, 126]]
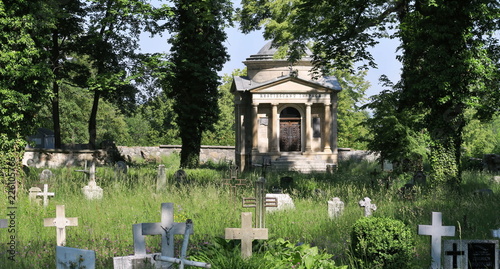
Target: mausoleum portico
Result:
[[285, 114]]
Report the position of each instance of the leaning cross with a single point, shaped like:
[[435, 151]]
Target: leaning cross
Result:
[[60, 222], [45, 194], [182, 260], [366, 203], [246, 234], [436, 231], [455, 253], [167, 228]]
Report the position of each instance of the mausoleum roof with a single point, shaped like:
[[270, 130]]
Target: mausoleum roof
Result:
[[244, 83], [267, 53]]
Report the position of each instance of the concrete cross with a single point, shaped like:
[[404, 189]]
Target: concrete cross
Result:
[[366, 203], [139, 239], [167, 228], [436, 231], [60, 222], [45, 194], [182, 260], [246, 234]]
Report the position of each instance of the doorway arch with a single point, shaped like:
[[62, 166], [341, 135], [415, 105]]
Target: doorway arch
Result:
[[290, 131]]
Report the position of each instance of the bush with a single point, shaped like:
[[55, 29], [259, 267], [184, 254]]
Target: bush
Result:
[[382, 243]]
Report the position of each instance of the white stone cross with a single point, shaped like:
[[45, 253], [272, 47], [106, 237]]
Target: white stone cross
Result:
[[436, 231], [246, 234], [182, 260], [167, 228], [366, 203], [60, 222], [45, 194], [335, 208]]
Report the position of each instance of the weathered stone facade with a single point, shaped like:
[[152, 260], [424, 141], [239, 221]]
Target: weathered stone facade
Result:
[[285, 114]]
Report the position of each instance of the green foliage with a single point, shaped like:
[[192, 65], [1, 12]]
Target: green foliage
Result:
[[281, 254], [198, 54], [351, 132], [382, 243]]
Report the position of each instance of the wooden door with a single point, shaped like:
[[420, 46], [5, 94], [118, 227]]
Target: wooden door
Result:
[[290, 135]]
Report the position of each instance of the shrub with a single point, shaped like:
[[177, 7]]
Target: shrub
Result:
[[382, 243]]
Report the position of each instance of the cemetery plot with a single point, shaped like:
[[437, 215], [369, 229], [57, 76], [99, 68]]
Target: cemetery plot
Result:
[[471, 254]]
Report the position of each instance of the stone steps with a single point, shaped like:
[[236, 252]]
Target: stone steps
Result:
[[298, 162]]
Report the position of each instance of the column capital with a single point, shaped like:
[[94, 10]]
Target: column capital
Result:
[[255, 104], [308, 104], [275, 104]]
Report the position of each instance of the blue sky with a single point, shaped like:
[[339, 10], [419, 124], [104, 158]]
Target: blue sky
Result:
[[241, 46]]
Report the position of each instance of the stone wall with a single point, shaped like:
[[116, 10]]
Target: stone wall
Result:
[[346, 154], [53, 158]]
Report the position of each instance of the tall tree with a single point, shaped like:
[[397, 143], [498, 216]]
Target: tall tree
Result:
[[198, 54], [113, 29], [449, 54], [24, 77], [68, 24]]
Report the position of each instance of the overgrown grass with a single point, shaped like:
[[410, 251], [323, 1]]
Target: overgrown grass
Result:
[[106, 225]]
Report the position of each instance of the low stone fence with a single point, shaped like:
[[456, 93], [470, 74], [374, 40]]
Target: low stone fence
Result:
[[346, 154], [53, 158]]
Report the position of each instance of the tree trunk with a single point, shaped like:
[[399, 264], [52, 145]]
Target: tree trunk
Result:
[[55, 89], [93, 121]]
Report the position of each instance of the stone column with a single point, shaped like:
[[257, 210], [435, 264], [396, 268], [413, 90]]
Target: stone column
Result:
[[327, 132], [308, 139], [255, 127], [274, 128], [334, 123]]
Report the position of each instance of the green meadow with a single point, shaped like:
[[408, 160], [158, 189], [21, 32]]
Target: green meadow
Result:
[[296, 237]]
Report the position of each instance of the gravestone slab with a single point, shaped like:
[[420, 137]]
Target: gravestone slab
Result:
[[470, 254], [33, 194], [436, 231], [69, 258], [335, 208], [285, 202], [121, 167], [46, 175], [161, 179], [180, 177], [4, 223]]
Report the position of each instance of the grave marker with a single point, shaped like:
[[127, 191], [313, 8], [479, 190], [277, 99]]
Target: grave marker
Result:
[[436, 231], [284, 202], [45, 194], [167, 228], [91, 191], [182, 260], [471, 254], [60, 222], [46, 175], [234, 181], [335, 208], [33, 194], [246, 234], [367, 204], [161, 179], [260, 202], [4, 223], [68, 258]]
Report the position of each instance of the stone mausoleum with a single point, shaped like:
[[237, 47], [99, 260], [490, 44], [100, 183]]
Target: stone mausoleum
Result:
[[283, 115]]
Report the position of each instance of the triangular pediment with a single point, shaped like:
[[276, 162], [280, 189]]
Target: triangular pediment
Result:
[[291, 85]]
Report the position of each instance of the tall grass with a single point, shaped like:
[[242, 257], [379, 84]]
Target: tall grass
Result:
[[106, 225]]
